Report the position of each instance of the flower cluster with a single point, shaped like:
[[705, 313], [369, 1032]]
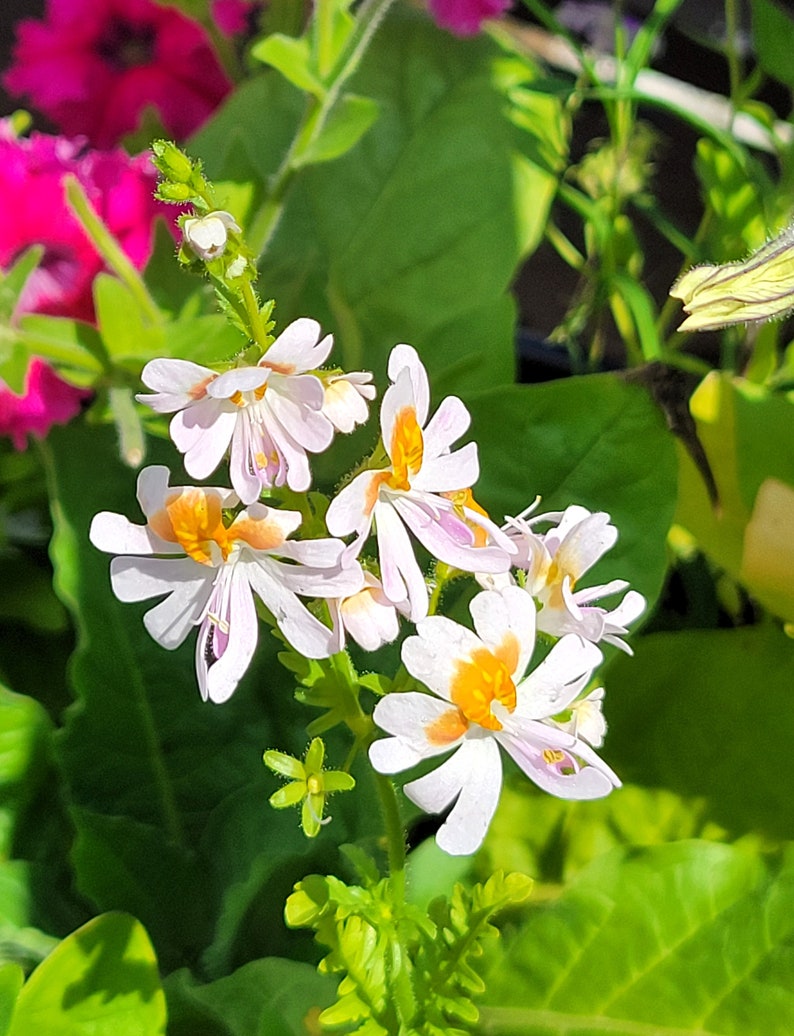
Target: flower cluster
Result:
[[210, 551]]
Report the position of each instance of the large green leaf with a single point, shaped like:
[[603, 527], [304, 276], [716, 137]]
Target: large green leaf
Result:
[[693, 937], [708, 713], [595, 441], [271, 997], [25, 736], [100, 981], [415, 234]]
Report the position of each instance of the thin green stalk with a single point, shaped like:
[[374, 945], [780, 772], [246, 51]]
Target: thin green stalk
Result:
[[315, 116], [395, 835], [732, 54], [109, 249], [255, 325]]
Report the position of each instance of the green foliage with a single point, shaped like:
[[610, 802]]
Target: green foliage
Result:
[[271, 997], [100, 981], [730, 691], [380, 259], [691, 937], [403, 970], [614, 454]]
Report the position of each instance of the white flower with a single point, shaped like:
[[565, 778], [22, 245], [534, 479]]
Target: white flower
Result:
[[206, 236], [271, 413], [556, 560], [369, 616], [481, 701], [345, 399], [209, 566], [586, 718], [409, 491]]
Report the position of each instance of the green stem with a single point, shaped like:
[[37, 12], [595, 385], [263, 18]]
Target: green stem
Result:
[[255, 325], [395, 835], [315, 116], [109, 249]]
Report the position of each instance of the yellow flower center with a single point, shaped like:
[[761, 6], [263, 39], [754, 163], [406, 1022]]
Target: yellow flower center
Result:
[[193, 518], [484, 678], [465, 498], [407, 449], [554, 580]]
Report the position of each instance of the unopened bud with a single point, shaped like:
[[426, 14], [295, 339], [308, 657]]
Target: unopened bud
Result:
[[172, 163]]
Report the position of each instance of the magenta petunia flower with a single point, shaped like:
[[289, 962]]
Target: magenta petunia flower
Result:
[[231, 16], [47, 400], [465, 17], [95, 66], [32, 172]]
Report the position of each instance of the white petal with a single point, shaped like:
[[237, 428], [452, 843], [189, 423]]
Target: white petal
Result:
[[351, 509], [558, 679], [590, 782], [239, 379], [450, 421], [432, 656], [400, 572], [408, 716], [449, 472], [302, 629], [397, 399], [297, 346], [585, 544], [138, 579], [405, 357], [116, 534], [176, 384], [474, 775], [172, 620], [499, 615]]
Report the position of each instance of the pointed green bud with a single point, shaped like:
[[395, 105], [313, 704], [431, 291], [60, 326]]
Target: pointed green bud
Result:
[[172, 162]]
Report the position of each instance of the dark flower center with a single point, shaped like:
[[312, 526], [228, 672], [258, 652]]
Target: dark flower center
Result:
[[124, 46]]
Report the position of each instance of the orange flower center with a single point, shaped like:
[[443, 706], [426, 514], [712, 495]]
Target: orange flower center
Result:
[[484, 678], [194, 519], [407, 449]]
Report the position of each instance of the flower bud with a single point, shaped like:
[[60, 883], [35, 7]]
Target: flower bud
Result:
[[174, 192], [171, 162], [206, 236]]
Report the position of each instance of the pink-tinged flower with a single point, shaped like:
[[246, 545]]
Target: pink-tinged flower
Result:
[[368, 615], [46, 400], [232, 16], [271, 413], [409, 491], [345, 399], [482, 700], [94, 66], [465, 17], [209, 567], [556, 560], [32, 172]]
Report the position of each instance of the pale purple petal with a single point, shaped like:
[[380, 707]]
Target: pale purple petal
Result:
[[240, 630], [445, 536], [586, 542], [589, 782]]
